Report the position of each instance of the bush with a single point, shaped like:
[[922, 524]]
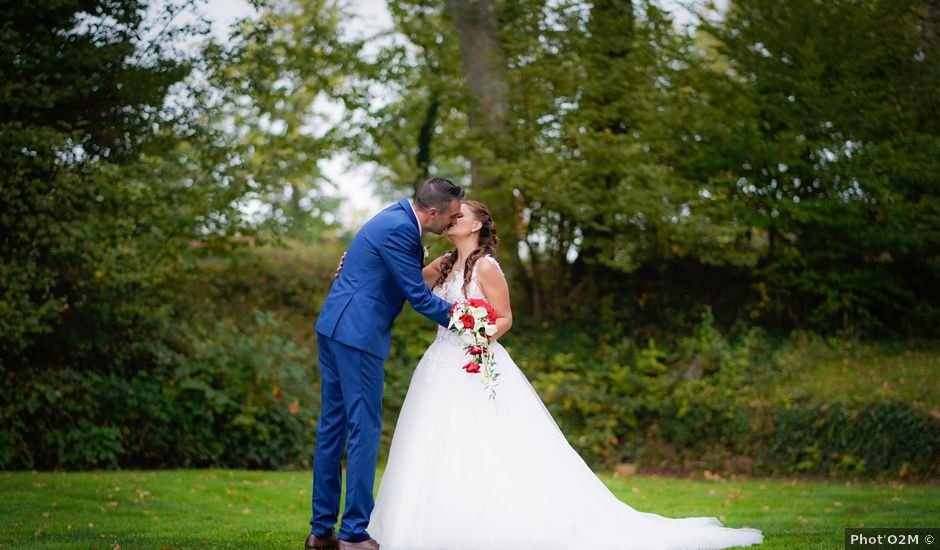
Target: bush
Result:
[[881, 440], [245, 399], [713, 403], [232, 398], [226, 376]]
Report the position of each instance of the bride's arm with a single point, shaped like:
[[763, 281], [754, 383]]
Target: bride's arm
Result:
[[493, 284], [433, 270]]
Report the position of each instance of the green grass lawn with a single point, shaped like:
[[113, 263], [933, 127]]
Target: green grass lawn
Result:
[[246, 509]]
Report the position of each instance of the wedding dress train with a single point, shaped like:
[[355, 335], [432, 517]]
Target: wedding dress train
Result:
[[469, 473]]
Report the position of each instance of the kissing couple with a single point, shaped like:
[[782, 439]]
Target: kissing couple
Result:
[[464, 472]]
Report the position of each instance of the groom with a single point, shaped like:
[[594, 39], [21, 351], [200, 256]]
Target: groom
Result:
[[382, 268]]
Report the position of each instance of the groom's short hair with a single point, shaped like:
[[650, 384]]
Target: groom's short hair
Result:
[[437, 193]]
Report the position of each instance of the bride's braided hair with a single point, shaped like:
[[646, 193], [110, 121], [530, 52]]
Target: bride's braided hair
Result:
[[487, 245]]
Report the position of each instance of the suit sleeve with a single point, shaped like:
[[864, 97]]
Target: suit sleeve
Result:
[[397, 251]]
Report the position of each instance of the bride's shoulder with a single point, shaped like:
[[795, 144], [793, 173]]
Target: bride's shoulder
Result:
[[490, 267]]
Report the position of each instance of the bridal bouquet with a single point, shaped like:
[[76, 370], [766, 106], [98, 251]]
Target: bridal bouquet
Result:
[[474, 322]]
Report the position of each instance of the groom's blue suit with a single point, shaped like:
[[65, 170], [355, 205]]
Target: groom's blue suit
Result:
[[382, 268]]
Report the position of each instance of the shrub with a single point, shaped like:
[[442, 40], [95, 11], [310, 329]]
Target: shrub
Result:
[[232, 398]]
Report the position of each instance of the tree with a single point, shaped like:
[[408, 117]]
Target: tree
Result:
[[413, 115], [84, 86], [838, 160], [603, 121], [277, 82], [116, 177]]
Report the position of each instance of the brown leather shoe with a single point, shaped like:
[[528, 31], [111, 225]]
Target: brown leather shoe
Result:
[[316, 543], [370, 544]]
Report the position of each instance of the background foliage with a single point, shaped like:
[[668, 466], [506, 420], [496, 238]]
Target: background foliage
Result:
[[742, 210]]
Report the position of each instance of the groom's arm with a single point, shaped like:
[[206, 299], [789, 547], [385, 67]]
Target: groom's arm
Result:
[[397, 251]]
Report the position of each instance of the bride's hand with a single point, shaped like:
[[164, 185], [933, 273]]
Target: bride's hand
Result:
[[439, 259], [339, 266]]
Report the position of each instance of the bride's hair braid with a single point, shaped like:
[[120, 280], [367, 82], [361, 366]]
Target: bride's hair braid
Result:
[[487, 245]]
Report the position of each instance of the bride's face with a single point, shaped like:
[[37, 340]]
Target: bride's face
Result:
[[466, 225]]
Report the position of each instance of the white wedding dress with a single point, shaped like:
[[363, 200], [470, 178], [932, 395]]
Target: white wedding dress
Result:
[[468, 472]]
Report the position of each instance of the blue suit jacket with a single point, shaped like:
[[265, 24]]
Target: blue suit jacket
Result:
[[382, 269]]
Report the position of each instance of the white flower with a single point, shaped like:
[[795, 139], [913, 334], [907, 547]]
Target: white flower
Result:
[[468, 338], [479, 312], [490, 330]]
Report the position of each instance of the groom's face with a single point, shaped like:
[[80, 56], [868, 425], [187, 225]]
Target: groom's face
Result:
[[440, 220]]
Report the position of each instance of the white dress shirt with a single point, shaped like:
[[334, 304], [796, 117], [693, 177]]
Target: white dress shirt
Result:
[[417, 219]]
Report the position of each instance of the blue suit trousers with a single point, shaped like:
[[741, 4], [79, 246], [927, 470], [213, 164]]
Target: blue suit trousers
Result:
[[351, 407]]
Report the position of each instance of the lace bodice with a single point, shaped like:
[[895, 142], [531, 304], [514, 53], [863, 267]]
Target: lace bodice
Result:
[[452, 290]]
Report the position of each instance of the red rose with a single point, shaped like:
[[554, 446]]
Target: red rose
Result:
[[490, 312], [453, 307], [467, 320], [476, 350], [471, 368]]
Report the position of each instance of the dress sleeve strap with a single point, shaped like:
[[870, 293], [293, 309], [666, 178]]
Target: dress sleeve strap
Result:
[[493, 261]]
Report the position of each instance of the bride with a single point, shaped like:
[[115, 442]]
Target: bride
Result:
[[468, 472]]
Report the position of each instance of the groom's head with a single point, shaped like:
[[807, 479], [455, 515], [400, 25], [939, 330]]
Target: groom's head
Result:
[[439, 199]]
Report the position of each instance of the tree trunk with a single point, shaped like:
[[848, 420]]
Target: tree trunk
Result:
[[483, 62]]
